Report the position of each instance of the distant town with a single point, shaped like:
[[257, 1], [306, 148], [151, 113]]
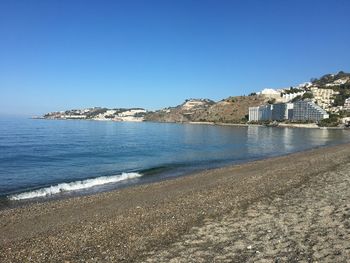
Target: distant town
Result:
[[324, 102]]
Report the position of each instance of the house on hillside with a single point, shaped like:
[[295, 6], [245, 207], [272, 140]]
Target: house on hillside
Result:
[[347, 104]]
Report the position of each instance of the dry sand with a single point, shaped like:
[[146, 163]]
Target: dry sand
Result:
[[294, 208]]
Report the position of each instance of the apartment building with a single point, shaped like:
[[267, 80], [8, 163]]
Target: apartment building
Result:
[[308, 111], [298, 111], [261, 113], [290, 96], [324, 97], [282, 111], [279, 112], [347, 104]]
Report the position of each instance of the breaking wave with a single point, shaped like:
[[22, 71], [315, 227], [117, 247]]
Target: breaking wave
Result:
[[77, 185]]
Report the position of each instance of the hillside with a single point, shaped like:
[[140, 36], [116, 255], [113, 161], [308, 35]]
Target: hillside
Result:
[[187, 111], [232, 109], [339, 82]]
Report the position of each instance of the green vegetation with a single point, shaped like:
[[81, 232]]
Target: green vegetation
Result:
[[307, 95], [329, 78], [344, 114], [292, 90], [343, 89], [140, 114], [299, 121], [344, 93], [95, 112], [231, 99], [271, 101], [332, 121], [297, 98]]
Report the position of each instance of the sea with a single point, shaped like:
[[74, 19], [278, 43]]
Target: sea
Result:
[[48, 159]]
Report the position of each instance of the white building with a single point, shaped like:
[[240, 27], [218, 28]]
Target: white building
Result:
[[324, 97], [253, 113], [278, 112], [290, 96], [282, 111], [308, 111], [345, 120], [298, 111], [271, 94], [347, 104], [261, 113], [131, 113]]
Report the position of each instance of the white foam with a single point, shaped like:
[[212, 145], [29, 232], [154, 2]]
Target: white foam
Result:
[[77, 185]]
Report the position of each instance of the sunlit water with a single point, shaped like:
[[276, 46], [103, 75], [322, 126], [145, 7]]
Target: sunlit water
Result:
[[42, 158]]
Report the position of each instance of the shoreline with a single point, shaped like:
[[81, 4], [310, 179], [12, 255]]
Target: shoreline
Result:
[[136, 223], [6, 203], [280, 125]]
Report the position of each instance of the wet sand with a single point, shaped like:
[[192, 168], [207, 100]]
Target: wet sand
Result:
[[293, 208]]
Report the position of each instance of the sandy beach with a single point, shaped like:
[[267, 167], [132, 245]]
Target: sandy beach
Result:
[[293, 208]]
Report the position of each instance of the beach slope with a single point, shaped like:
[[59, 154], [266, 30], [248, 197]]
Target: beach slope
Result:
[[284, 209]]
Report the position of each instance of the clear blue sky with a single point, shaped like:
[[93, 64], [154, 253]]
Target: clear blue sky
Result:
[[63, 54]]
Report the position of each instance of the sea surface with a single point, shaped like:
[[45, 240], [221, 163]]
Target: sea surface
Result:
[[43, 159]]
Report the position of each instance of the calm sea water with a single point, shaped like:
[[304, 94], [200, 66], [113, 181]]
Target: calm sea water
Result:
[[42, 158]]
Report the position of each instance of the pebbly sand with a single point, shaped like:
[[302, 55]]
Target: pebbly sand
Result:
[[294, 208]]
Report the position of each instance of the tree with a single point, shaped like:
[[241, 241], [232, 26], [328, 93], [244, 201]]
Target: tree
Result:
[[339, 100], [307, 95], [332, 121], [271, 101], [297, 98]]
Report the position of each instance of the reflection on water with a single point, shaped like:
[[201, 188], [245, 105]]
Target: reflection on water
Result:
[[36, 153], [270, 141]]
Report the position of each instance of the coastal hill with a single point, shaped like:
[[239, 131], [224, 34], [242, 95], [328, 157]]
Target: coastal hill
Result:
[[339, 82], [185, 112], [231, 109], [235, 109]]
